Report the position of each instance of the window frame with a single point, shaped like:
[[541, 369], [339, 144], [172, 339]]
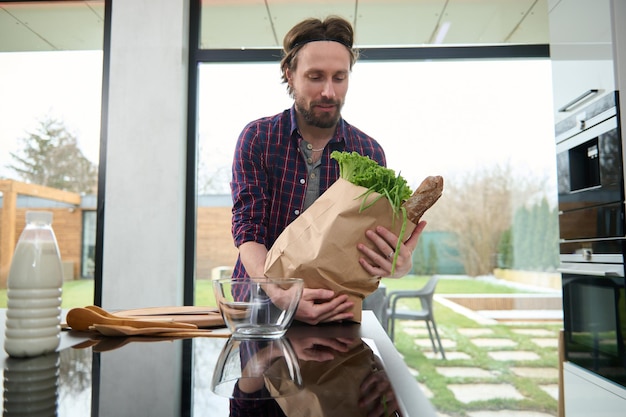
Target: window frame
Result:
[[198, 56]]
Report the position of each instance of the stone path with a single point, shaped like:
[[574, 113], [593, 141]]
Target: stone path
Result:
[[484, 384]]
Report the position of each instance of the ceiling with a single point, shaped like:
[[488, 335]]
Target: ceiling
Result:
[[78, 25], [51, 25]]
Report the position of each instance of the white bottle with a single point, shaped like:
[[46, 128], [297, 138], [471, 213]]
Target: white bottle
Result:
[[34, 290]]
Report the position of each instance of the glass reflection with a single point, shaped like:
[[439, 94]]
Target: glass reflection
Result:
[[312, 370], [340, 375], [258, 369], [75, 380]]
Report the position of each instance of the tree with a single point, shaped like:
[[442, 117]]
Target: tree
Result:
[[419, 258], [478, 208], [213, 176], [505, 250], [51, 157], [535, 243], [433, 258]]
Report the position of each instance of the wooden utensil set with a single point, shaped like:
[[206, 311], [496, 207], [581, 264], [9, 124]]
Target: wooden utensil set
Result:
[[156, 322]]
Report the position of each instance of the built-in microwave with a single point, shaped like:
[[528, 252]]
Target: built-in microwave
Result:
[[592, 242], [590, 178]]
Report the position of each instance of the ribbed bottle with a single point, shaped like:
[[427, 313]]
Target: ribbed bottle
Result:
[[34, 290]]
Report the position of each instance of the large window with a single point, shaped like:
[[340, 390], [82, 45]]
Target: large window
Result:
[[462, 119], [51, 88], [50, 107]]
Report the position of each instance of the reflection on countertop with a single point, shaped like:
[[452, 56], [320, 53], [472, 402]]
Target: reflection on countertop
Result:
[[350, 369]]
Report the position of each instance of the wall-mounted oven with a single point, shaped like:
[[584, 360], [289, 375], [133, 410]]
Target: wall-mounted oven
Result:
[[590, 172]]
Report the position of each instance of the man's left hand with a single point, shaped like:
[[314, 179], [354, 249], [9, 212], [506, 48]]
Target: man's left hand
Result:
[[378, 261]]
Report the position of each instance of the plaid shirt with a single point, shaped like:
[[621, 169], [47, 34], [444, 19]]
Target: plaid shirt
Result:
[[270, 175]]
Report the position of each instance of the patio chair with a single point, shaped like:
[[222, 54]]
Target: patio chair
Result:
[[426, 314]]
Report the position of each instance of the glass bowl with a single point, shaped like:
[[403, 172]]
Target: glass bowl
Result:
[[258, 307], [245, 366]]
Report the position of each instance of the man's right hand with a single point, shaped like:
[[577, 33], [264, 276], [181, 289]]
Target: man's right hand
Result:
[[320, 306]]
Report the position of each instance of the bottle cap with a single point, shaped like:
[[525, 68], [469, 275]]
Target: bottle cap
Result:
[[39, 217]]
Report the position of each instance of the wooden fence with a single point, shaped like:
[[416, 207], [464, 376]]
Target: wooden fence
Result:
[[214, 247]]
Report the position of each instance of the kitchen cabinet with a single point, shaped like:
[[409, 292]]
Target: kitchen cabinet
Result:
[[581, 51], [589, 395], [587, 50]]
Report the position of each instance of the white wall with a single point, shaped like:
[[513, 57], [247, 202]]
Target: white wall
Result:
[[618, 16], [143, 247]]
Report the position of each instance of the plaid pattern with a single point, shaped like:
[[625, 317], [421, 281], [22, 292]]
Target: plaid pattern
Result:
[[257, 403], [270, 175]]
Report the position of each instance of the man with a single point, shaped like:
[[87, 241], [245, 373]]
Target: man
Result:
[[282, 163]]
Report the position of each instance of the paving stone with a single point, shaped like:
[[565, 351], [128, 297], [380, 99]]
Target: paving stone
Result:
[[425, 343], [466, 393], [414, 372], [414, 323], [464, 372], [529, 372], [470, 332], [412, 331], [507, 413], [545, 342], [513, 355], [551, 389], [492, 342], [534, 332], [450, 355], [483, 337]]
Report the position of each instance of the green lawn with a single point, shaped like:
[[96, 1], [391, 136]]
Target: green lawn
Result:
[[449, 323], [204, 292], [80, 293], [77, 293]]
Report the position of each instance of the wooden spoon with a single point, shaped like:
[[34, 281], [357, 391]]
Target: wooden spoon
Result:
[[201, 317], [115, 330], [105, 313], [82, 319], [171, 310]]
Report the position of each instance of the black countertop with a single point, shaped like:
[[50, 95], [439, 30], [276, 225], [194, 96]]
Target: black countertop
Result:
[[143, 377]]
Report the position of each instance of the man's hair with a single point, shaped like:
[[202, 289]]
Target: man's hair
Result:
[[333, 28]]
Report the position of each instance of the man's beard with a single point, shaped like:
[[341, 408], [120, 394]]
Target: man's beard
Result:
[[325, 120]]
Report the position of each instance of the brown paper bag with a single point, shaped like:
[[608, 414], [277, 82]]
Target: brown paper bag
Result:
[[320, 246], [330, 389]]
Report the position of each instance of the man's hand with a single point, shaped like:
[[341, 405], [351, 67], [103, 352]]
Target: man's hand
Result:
[[320, 306], [377, 397], [378, 261], [321, 349]]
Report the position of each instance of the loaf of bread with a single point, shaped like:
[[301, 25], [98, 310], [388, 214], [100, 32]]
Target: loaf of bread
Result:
[[423, 198]]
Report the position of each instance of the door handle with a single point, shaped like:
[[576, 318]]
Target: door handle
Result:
[[578, 99]]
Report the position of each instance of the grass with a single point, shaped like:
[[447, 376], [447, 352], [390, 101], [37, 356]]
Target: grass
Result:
[[449, 323], [80, 293]]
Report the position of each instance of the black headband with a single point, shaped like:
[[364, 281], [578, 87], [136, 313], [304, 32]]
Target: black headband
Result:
[[301, 43]]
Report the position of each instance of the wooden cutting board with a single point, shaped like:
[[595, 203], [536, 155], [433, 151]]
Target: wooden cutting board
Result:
[[203, 317]]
